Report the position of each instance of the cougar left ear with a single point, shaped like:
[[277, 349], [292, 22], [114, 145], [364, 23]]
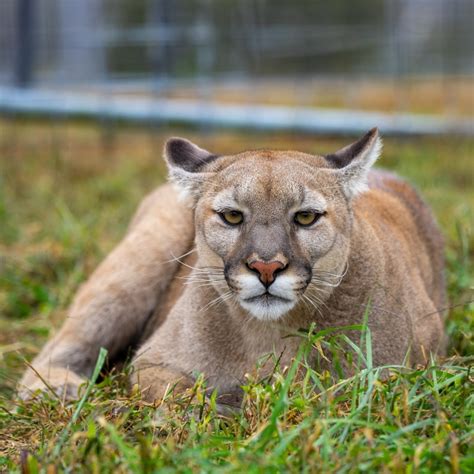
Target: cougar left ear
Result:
[[186, 163], [354, 161]]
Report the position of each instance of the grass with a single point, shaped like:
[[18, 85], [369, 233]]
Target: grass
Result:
[[66, 193]]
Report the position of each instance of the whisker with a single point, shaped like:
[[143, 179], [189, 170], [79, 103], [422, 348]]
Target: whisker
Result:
[[177, 259], [203, 280], [325, 283], [209, 285], [338, 276], [215, 301], [312, 293], [315, 306], [223, 299]]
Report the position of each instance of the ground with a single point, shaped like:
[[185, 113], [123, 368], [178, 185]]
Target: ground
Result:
[[66, 194]]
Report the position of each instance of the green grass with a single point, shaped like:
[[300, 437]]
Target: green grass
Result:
[[66, 194]]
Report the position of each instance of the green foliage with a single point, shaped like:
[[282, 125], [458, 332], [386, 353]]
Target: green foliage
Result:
[[300, 419], [65, 201]]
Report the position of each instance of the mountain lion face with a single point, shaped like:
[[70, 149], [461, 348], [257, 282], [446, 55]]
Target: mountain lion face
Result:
[[272, 227]]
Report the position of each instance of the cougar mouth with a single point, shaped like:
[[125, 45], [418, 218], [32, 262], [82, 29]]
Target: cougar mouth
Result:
[[267, 297], [267, 306]]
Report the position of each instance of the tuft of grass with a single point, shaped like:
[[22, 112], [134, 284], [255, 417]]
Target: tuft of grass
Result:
[[66, 194], [302, 418]]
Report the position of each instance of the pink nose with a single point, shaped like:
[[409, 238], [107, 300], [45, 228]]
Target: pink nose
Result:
[[266, 270]]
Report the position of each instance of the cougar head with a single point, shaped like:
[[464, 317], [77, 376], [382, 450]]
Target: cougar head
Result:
[[273, 227]]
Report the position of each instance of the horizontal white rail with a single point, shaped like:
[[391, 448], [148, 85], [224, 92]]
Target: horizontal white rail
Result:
[[34, 102]]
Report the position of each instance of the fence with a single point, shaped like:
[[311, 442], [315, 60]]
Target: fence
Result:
[[216, 52]]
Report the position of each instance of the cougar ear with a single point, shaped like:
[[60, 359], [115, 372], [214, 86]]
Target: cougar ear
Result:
[[186, 163], [354, 161]]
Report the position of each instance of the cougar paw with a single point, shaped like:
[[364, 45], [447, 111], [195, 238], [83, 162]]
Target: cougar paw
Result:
[[64, 383]]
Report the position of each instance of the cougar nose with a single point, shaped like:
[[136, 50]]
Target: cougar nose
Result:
[[266, 270]]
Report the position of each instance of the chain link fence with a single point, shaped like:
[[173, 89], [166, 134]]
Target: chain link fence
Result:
[[408, 64]]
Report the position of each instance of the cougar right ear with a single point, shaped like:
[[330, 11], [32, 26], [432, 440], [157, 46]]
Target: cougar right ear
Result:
[[353, 162], [186, 163]]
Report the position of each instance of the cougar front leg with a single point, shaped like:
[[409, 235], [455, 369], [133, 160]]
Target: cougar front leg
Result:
[[191, 342], [112, 307], [155, 380]]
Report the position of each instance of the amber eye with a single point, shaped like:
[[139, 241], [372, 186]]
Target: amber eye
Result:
[[306, 218], [232, 217]]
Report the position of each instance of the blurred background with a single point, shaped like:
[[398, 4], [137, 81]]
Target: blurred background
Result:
[[90, 89], [410, 60]]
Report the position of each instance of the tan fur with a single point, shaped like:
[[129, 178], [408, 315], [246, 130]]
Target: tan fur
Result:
[[382, 245]]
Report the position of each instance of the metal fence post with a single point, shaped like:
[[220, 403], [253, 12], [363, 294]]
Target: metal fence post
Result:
[[24, 51]]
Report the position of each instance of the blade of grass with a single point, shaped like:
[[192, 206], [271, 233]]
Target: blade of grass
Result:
[[98, 367], [131, 456], [282, 401], [440, 385]]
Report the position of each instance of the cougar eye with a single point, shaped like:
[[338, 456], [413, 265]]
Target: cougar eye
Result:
[[232, 217], [306, 218]]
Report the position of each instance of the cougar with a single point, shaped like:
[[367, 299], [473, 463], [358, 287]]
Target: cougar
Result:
[[239, 251]]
